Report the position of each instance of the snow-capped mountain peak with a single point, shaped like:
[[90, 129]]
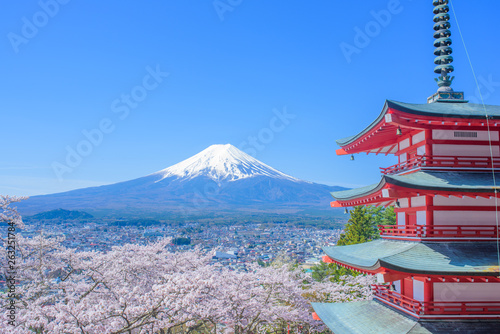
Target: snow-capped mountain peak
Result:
[[222, 163]]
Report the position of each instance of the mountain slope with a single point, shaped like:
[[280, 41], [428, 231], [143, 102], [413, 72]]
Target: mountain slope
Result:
[[62, 215], [220, 178]]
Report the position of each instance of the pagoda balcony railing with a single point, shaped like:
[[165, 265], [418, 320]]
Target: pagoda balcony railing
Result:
[[447, 308], [397, 299], [440, 231], [443, 162]]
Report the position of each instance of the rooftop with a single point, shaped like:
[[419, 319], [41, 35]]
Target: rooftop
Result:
[[366, 317], [410, 117], [427, 180], [453, 258]]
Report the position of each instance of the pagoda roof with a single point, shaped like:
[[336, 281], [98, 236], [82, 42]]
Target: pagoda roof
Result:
[[365, 317], [453, 258], [447, 109], [414, 116], [445, 182]]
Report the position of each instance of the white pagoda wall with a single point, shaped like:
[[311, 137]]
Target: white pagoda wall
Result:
[[461, 149], [418, 290], [450, 135], [466, 201], [417, 138], [461, 217], [451, 143], [400, 218], [406, 143], [464, 218], [449, 217], [448, 292], [397, 286], [413, 202]]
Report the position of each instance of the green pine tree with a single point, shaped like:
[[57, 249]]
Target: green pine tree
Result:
[[359, 228], [330, 271], [363, 224]]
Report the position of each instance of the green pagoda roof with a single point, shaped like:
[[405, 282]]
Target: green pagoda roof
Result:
[[427, 180], [438, 109], [446, 109], [371, 317], [453, 258]]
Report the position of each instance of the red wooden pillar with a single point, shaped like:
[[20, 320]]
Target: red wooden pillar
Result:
[[428, 290], [429, 213], [428, 142], [428, 293], [429, 207], [407, 288]]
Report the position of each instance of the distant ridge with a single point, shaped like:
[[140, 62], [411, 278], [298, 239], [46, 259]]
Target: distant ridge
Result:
[[62, 214], [220, 178]]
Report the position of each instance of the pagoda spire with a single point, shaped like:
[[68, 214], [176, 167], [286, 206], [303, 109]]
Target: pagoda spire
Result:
[[442, 44], [443, 51]]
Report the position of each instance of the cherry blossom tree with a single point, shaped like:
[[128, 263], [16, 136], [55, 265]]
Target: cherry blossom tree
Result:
[[8, 213], [248, 302], [346, 289], [147, 289], [121, 291]]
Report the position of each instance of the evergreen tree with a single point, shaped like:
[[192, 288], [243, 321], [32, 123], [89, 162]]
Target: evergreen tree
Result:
[[332, 271], [363, 224], [385, 216], [359, 228]]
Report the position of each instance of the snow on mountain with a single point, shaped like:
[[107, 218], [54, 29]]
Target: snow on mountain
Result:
[[222, 163], [219, 179]]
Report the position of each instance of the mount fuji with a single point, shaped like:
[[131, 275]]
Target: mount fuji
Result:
[[220, 178]]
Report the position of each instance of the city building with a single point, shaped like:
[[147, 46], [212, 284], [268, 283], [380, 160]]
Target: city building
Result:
[[438, 269]]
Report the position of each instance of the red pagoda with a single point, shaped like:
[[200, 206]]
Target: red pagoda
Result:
[[437, 269]]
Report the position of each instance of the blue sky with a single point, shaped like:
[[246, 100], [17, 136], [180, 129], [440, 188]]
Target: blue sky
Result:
[[162, 80]]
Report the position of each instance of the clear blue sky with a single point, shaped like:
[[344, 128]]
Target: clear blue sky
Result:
[[228, 68]]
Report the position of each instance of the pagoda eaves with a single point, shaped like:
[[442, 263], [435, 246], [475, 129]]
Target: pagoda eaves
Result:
[[380, 137]]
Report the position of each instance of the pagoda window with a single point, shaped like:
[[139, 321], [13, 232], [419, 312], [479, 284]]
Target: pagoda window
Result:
[[465, 134]]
